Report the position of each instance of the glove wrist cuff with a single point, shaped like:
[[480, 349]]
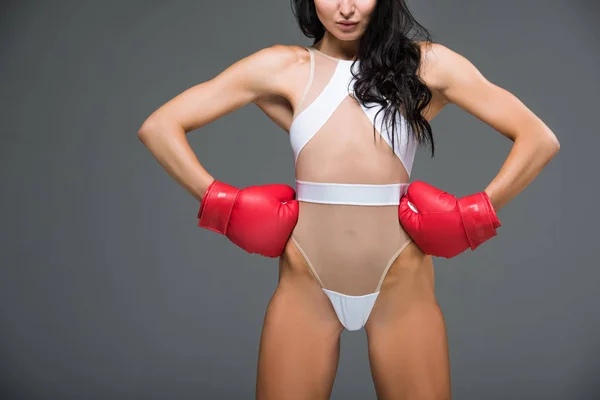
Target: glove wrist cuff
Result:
[[479, 218], [216, 206]]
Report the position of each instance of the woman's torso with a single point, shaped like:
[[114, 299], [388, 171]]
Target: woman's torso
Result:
[[349, 246]]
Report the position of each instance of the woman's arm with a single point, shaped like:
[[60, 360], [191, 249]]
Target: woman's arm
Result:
[[459, 82], [164, 131]]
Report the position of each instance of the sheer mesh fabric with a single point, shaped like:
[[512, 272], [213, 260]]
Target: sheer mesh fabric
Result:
[[348, 247]]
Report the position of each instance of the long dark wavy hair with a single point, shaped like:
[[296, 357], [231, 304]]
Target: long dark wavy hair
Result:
[[389, 60]]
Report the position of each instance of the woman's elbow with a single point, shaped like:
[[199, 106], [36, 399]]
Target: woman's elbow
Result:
[[146, 129], [549, 145], [150, 128], [553, 145]]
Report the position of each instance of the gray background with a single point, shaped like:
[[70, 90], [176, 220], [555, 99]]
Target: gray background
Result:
[[109, 290]]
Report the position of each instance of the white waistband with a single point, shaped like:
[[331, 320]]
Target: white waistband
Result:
[[350, 193]]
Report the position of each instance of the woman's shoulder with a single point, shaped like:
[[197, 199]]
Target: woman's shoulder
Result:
[[284, 65], [440, 64], [431, 57], [272, 68], [283, 56]]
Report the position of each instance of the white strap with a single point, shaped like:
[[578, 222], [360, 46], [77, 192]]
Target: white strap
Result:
[[351, 194], [314, 116]]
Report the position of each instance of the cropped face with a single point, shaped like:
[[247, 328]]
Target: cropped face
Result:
[[345, 19]]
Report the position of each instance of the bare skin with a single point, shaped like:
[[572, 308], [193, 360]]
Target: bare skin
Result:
[[299, 348], [408, 347]]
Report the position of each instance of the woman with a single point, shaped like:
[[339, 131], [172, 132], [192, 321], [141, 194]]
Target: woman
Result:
[[356, 105]]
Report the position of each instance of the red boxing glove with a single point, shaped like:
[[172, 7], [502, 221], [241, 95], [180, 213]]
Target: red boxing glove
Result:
[[444, 226], [259, 219]]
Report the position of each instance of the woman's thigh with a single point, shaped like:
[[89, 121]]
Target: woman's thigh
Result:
[[299, 348], [408, 348]]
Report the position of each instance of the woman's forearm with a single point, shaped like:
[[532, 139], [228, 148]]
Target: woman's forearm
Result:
[[169, 145], [528, 156]]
